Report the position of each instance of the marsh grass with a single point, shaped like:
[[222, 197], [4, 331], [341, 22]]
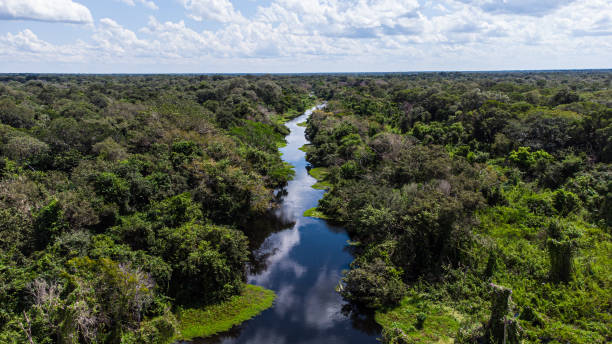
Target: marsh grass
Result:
[[422, 321], [305, 148], [203, 322], [313, 212], [320, 173]]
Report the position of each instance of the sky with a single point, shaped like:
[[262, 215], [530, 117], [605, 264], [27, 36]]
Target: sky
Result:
[[302, 36]]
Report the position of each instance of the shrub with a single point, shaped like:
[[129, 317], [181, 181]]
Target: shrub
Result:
[[374, 284], [527, 160], [48, 223], [111, 187], [159, 330], [565, 201]]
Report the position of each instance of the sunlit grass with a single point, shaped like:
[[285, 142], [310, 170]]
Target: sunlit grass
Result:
[[305, 148], [320, 173], [440, 325], [313, 212], [203, 322]]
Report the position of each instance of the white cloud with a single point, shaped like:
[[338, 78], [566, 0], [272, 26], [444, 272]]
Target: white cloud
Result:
[[179, 40], [349, 35], [218, 10], [279, 245], [148, 3], [114, 40], [26, 46], [66, 11], [322, 307], [352, 19], [27, 41], [520, 7]]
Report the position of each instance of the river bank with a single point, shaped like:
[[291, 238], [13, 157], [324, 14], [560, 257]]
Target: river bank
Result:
[[301, 260]]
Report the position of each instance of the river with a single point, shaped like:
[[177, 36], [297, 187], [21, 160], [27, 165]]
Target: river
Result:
[[302, 260]]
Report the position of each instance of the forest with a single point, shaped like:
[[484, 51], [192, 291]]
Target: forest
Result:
[[124, 198], [479, 205]]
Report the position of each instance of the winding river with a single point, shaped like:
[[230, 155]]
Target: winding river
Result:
[[301, 259]]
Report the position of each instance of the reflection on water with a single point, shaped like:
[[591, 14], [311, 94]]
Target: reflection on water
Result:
[[301, 259]]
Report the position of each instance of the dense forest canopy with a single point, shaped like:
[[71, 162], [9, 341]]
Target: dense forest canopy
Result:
[[122, 197], [453, 184], [125, 197]]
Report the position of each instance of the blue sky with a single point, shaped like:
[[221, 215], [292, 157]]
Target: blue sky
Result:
[[204, 36]]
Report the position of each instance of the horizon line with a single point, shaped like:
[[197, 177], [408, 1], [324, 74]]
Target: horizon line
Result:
[[325, 73]]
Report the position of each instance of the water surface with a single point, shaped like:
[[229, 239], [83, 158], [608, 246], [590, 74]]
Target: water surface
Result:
[[301, 259]]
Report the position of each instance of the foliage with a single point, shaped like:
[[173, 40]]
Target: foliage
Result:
[[373, 284], [125, 198], [419, 321], [457, 180], [195, 322]]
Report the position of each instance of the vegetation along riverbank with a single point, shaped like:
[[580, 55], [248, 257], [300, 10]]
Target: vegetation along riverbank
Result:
[[479, 205], [481, 202], [123, 202]]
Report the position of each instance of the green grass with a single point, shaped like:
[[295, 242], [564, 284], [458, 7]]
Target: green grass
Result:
[[321, 185], [292, 113], [286, 117], [313, 212], [574, 312], [320, 173], [203, 322], [440, 326], [302, 124]]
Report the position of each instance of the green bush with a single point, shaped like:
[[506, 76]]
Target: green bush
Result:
[[527, 160], [112, 188], [565, 202], [48, 223], [374, 284], [159, 330]]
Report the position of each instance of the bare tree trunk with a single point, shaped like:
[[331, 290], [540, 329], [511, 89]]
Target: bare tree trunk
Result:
[[28, 330]]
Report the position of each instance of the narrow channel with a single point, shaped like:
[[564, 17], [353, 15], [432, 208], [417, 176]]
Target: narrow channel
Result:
[[302, 263]]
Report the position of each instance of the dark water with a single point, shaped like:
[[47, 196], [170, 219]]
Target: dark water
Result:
[[301, 259]]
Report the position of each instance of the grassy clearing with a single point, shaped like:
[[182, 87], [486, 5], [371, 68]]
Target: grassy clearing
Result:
[[203, 322], [321, 185], [285, 117], [313, 212], [320, 173], [305, 148], [574, 312], [439, 326], [292, 113]]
